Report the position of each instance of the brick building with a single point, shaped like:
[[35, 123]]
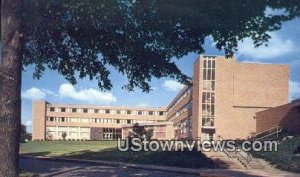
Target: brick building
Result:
[[223, 100]]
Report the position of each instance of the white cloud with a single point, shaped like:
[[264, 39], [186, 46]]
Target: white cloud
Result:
[[172, 85], [33, 94], [49, 92], [87, 95], [277, 46]]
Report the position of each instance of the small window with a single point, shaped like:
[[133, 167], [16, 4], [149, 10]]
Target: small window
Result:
[[62, 109], [161, 113], [96, 111], [63, 119], [128, 111], [52, 109], [118, 121], [128, 121], [85, 110], [118, 112], [151, 113], [74, 110], [51, 119], [204, 74], [107, 111], [209, 63], [140, 112]]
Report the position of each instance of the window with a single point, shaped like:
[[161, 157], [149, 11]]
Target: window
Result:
[[74, 110], [118, 121], [51, 119], [111, 133], [128, 121], [52, 109], [208, 97], [208, 85], [62, 109], [107, 111], [151, 112], [128, 111], [140, 112], [96, 111], [161, 113], [118, 112], [62, 119], [85, 110], [208, 94], [206, 121]]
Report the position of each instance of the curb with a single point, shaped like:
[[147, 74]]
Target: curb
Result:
[[120, 164]]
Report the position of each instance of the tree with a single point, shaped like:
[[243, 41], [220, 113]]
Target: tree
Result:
[[139, 131], [24, 134], [10, 86], [140, 39], [64, 135], [149, 134]]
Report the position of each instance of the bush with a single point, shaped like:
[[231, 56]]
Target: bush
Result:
[[297, 150]]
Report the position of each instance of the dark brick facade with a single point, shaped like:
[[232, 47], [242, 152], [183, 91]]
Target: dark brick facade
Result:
[[96, 133], [286, 116]]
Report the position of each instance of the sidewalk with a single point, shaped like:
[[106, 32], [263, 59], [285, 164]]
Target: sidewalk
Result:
[[240, 172]]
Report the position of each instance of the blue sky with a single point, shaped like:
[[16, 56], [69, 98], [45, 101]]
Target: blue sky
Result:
[[283, 48]]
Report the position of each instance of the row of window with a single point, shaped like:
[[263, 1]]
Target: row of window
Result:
[[68, 128], [209, 63], [183, 109], [97, 120], [208, 94], [70, 132], [183, 95], [105, 111], [208, 110], [208, 97], [208, 85], [111, 133]]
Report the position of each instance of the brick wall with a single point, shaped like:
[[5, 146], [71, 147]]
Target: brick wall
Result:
[[287, 116]]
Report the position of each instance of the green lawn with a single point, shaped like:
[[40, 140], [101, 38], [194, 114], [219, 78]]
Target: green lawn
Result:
[[106, 150], [58, 148], [284, 158]]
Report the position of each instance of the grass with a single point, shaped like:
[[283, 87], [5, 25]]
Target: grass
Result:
[[58, 148], [284, 158], [107, 150]]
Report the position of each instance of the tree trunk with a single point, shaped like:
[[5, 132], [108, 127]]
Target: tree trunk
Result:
[[10, 86]]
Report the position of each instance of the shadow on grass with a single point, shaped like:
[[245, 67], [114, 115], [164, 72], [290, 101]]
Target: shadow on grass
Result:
[[187, 159], [35, 154]]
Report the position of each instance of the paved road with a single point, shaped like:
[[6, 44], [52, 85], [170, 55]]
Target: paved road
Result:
[[59, 168], [66, 169]]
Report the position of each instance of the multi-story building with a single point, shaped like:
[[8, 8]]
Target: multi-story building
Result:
[[222, 101], [86, 121]]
